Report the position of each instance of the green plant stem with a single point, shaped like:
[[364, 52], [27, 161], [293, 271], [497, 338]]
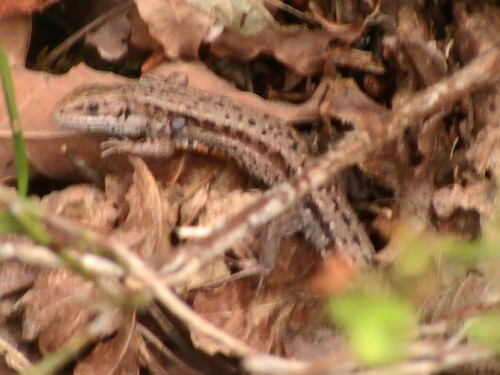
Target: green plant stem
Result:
[[20, 160]]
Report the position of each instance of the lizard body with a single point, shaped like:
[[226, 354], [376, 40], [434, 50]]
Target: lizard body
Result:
[[170, 115]]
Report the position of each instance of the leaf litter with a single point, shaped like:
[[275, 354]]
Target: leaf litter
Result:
[[373, 59]]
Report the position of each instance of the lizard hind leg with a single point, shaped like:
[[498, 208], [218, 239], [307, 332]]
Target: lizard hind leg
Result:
[[285, 225]]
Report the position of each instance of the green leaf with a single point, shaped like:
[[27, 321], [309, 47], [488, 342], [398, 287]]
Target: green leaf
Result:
[[486, 330], [378, 325]]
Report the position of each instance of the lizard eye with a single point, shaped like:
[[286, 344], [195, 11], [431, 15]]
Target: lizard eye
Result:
[[178, 123], [92, 108]]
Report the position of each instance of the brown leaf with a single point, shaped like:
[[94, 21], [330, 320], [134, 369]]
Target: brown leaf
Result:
[[83, 203], [477, 30], [301, 50], [145, 225], [15, 276], [14, 38], [59, 305], [110, 39], [139, 33], [178, 26], [484, 153], [116, 356], [235, 309]]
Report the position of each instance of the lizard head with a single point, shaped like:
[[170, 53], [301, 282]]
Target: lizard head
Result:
[[106, 109]]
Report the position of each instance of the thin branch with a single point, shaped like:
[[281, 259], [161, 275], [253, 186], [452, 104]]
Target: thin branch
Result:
[[482, 71]]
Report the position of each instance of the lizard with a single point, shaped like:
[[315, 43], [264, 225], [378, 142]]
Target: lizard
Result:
[[155, 117]]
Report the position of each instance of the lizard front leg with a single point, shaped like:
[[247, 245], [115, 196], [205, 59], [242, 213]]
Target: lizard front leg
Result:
[[156, 148]]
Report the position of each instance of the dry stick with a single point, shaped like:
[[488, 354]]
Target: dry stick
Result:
[[139, 271], [482, 71], [423, 358], [477, 73], [151, 282]]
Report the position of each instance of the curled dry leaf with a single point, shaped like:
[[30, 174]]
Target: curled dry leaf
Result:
[[484, 153], [201, 175], [263, 319], [411, 21], [145, 225], [347, 104]]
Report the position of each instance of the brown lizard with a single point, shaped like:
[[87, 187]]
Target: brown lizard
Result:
[[159, 116]]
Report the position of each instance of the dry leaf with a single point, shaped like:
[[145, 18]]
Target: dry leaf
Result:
[[282, 44], [309, 335], [178, 26], [244, 16], [111, 38], [145, 226], [15, 276], [473, 291], [59, 305], [85, 204], [235, 309], [117, 356], [14, 38], [190, 209]]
